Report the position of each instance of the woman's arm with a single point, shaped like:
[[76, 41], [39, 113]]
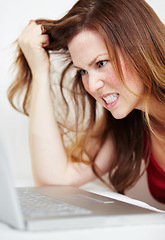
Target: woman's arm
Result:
[[49, 158]]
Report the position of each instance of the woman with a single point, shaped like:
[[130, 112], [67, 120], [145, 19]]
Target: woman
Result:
[[118, 50]]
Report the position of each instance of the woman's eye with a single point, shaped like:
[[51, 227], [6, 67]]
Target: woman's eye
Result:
[[82, 72], [102, 63]]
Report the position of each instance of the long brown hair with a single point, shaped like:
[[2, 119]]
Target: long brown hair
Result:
[[134, 28]]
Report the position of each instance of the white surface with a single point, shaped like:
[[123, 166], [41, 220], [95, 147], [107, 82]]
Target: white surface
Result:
[[14, 16], [145, 232], [124, 233]]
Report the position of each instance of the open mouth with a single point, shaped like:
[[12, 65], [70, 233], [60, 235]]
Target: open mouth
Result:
[[111, 98]]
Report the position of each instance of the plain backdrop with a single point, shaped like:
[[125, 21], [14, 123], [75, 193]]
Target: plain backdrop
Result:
[[14, 16]]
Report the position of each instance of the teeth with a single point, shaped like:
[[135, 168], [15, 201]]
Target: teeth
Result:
[[111, 98]]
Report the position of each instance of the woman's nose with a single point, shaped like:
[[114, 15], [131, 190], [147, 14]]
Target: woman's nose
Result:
[[95, 82]]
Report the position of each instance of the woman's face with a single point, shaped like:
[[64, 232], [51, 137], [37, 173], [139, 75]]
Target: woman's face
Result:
[[90, 57]]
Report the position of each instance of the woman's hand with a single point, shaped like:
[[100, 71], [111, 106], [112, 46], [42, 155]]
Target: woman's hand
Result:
[[32, 42]]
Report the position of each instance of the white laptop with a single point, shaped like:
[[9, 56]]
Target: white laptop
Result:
[[63, 207]]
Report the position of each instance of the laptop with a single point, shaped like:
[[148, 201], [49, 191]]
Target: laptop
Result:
[[63, 207]]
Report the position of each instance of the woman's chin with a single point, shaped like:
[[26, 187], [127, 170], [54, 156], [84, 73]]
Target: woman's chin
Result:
[[119, 114]]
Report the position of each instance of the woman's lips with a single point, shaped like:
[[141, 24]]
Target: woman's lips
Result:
[[110, 100]]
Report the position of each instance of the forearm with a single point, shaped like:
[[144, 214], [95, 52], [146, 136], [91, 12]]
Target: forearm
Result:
[[49, 158]]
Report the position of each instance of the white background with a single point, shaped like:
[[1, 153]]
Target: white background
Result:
[[14, 16]]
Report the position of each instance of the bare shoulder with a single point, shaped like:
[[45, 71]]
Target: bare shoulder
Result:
[[82, 173], [104, 154]]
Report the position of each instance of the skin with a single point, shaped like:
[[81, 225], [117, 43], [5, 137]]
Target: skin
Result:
[[99, 79], [44, 135]]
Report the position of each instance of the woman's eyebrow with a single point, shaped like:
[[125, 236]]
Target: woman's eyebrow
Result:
[[94, 60]]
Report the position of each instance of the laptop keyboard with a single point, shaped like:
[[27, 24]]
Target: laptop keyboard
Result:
[[36, 205]]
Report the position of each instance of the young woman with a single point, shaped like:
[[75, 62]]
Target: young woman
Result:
[[118, 51]]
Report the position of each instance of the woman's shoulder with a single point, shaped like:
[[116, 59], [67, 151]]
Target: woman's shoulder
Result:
[[105, 155]]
